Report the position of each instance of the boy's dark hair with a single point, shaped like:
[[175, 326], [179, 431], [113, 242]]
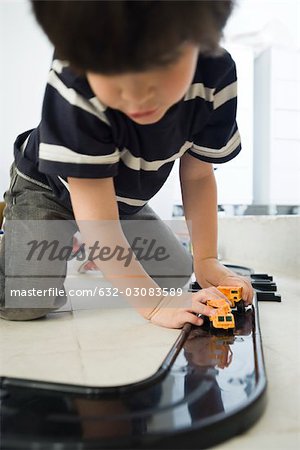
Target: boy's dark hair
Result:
[[112, 37]]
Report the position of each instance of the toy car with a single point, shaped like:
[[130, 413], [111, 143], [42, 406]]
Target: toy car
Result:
[[223, 317], [235, 296]]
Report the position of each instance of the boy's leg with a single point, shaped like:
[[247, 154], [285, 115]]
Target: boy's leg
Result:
[[172, 266], [28, 207]]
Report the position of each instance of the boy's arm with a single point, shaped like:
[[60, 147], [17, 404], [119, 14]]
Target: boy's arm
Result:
[[199, 194], [96, 212]]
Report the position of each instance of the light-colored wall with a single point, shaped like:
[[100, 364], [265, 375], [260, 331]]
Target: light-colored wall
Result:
[[25, 58], [277, 132], [238, 171], [263, 242], [277, 21]]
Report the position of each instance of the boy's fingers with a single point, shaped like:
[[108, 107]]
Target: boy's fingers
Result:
[[211, 293], [248, 293], [200, 299], [178, 320], [192, 318], [201, 308], [245, 283]]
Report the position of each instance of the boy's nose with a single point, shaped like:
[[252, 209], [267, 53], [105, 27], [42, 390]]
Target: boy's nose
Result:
[[139, 94]]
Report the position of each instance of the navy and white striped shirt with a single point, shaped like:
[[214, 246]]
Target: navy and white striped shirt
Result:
[[80, 137]]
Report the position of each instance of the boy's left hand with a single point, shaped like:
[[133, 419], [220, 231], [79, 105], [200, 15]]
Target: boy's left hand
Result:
[[210, 272], [238, 280]]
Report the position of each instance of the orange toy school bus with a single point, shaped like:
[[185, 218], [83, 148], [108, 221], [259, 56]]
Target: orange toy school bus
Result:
[[233, 293], [223, 317]]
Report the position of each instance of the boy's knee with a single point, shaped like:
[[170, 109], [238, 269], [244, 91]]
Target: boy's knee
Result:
[[23, 313], [27, 313]]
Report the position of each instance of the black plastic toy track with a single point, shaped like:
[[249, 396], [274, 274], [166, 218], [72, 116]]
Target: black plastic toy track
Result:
[[211, 387]]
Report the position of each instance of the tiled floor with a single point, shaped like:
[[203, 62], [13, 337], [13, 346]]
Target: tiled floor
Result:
[[88, 347], [87, 342]]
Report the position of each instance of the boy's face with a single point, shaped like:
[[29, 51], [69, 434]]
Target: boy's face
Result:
[[146, 96]]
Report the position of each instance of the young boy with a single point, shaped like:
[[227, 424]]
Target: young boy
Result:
[[133, 86]]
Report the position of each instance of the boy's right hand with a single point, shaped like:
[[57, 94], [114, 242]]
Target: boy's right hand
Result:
[[174, 312]]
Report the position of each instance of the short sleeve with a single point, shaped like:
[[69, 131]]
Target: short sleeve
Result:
[[219, 140], [75, 136]]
